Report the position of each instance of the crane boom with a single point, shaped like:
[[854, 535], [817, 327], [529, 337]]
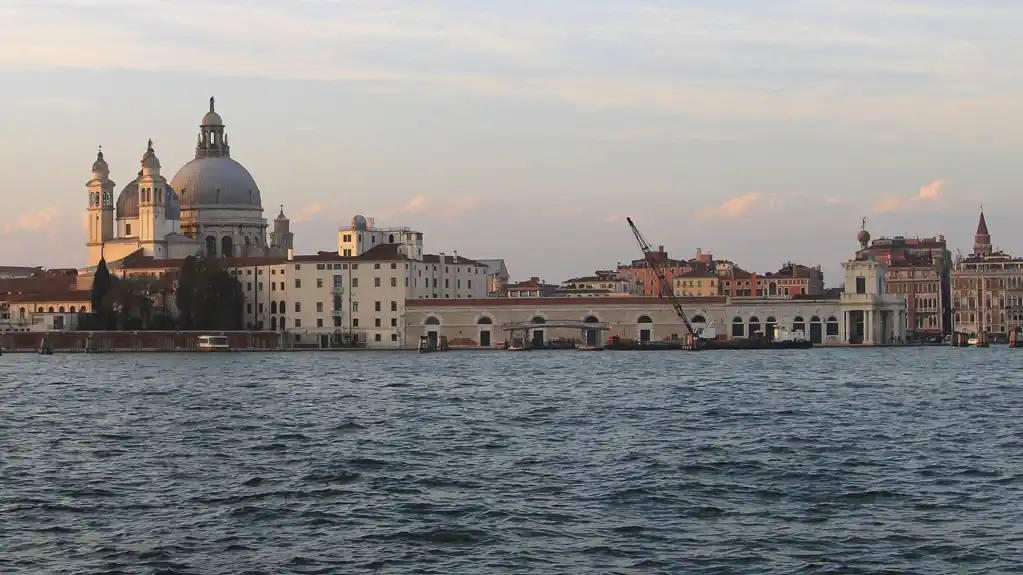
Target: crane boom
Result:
[[667, 291]]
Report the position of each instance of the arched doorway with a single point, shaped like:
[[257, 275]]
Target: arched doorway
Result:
[[273, 322], [738, 327], [769, 327], [816, 330], [538, 333], [592, 335], [646, 328], [484, 323], [211, 246], [799, 325], [280, 323], [432, 331], [226, 246], [754, 326]]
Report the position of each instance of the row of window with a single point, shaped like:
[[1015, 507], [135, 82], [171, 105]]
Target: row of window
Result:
[[59, 309]]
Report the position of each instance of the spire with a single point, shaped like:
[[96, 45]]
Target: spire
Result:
[[212, 140], [281, 215], [982, 239], [99, 154], [211, 104]]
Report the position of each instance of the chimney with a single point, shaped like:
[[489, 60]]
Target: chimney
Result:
[[660, 249], [291, 254], [456, 256]]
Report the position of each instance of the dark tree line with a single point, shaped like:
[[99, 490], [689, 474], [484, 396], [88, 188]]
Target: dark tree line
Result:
[[204, 296]]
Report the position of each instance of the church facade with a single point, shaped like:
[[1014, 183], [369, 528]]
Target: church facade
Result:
[[212, 207]]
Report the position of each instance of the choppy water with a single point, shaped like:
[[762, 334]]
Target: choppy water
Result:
[[843, 461]]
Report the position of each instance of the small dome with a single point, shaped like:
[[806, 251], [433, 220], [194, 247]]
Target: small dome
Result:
[[128, 202], [212, 119], [359, 223], [281, 215], [863, 237], [100, 165], [149, 159]]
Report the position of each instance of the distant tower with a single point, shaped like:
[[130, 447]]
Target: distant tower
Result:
[[212, 139], [982, 239], [152, 202], [101, 208], [864, 236], [282, 236]]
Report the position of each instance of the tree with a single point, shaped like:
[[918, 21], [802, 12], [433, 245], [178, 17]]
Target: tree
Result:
[[208, 297], [102, 282]]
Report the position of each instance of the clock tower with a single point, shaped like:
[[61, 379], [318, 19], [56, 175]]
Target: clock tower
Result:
[[101, 208]]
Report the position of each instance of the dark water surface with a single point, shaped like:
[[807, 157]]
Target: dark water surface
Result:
[[828, 461]]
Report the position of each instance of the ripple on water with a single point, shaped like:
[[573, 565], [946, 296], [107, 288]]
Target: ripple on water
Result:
[[831, 461]]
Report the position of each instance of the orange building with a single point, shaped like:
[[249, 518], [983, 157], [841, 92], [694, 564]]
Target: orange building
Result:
[[643, 279]]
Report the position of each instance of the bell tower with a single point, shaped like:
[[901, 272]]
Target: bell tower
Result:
[[152, 204], [100, 212]]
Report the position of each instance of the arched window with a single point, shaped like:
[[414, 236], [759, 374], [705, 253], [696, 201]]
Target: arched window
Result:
[[832, 326], [273, 323], [273, 307], [391, 238], [591, 319], [40, 310], [738, 327], [51, 309], [226, 247], [644, 319], [698, 319], [211, 246], [72, 310], [21, 313], [60, 309], [538, 319], [754, 325], [432, 320], [281, 307], [798, 324], [484, 321]]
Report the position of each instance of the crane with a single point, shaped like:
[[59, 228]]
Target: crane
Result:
[[667, 291]]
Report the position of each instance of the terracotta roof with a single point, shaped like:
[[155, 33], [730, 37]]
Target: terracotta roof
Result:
[[698, 273], [54, 297], [37, 284]]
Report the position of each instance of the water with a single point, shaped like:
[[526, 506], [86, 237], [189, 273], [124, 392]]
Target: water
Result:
[[844, 461]]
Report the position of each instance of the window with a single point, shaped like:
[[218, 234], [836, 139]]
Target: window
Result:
[[298, 323], [376, 322], [298, 307], [298, 266], [376, 337], [319, 307], [249, 287], [260, 308], [376, 266], [319, 282], [273, 286], [282, 286], [394, 266], [248, 307], [355, 281], [319, 322], [355, 322], [470, 283], [394, 337], [394, 306], [376, 306], [355, 306], [127, 230], [394, 322], [861, 285], [394, 282], [298, 283], [376, 282]]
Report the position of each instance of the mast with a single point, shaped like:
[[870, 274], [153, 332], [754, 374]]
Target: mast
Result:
[[667, 291]]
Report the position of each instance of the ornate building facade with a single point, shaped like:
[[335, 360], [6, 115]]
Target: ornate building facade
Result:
[[212, 206], [987, 288]]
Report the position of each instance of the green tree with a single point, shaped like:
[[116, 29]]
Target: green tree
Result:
[[102, 282], [207, 296]]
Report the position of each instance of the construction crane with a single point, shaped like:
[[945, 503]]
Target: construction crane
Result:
[[667, 291]]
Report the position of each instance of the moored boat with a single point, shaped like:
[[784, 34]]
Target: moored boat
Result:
[[213, 343]]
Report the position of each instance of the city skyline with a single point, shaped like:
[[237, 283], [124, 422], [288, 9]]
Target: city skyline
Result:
[[759, 134]]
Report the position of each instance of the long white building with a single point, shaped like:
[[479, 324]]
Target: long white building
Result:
[[358, 292]]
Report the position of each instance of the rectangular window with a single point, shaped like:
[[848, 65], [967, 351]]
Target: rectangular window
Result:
[[470, 283], [319, 307], [376, 337], [319, 282], [298, 266], [249, 287], [298, 323], [394, 282], [376, 322], [394, 306], [355, 322], [319, 322], [298, 283], [355, 306], [298, 307], [376, 266], [355, 282], [394, 322], [376, 282], [273, 286], [376, 306], [394, 337], [394, 266], [260, 308], [861, 285], [248, 308]]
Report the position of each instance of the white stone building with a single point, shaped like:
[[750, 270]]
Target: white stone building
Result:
[[212, 206], [358, 292], [864, 315]]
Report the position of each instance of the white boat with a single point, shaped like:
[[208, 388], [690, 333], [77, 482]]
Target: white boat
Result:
[[972, 341], [213, 343]]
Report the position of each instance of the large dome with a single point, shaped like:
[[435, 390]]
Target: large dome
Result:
[[128, 202], [216, 182]]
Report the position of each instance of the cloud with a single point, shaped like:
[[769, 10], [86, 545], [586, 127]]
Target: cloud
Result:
[[418, 204], [931, 193], [37, 220], [720, 64], [838, 200], [736, 207], [312, 212]]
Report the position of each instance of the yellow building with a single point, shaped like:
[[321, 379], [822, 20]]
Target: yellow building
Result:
[[697, 283]]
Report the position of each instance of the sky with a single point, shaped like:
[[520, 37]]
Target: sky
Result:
[[761, 132]]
